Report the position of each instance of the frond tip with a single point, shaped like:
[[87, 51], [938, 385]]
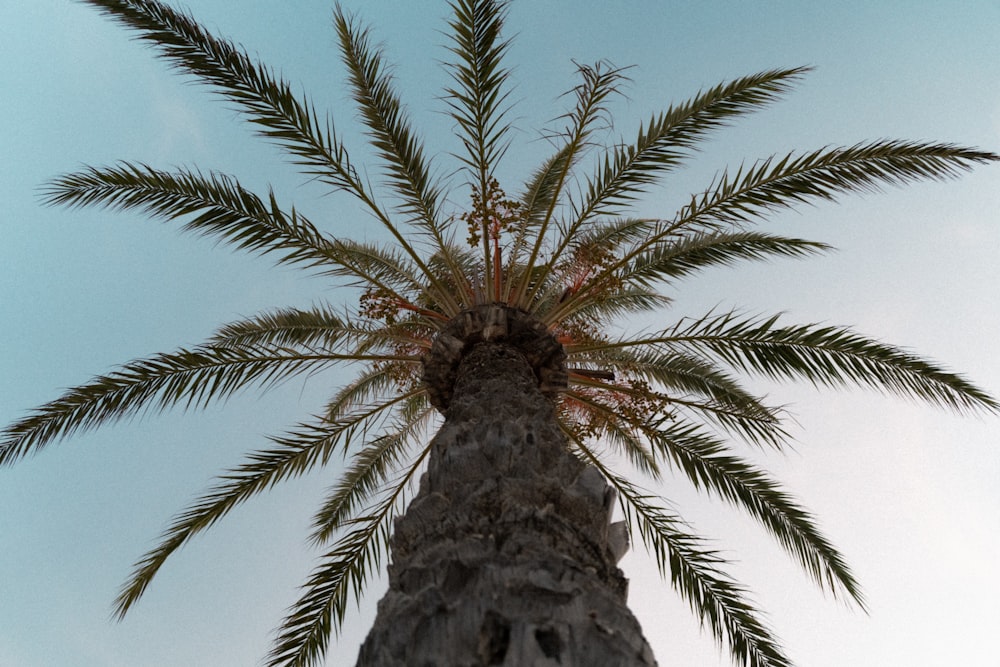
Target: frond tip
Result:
[[212, 205], [827, 355]]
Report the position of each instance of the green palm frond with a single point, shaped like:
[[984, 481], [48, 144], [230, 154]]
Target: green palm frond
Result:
[[712, 595], [614, 232], [777, 184], [292, 455], [305, 633], [540, 192], [370, 466], [478, 99], [215, 205], [582, 257], [383, 268], [691, 382], [389, 129], [824, 355], [267, 101], [407, 170], [780, 183], [318, 328], [599, 82], [667, 262], [729, 409], [587, 415], [189, 378], [709, 464], [684, 254], [696, 574], [628, 300], [751, 422], [673, 135]]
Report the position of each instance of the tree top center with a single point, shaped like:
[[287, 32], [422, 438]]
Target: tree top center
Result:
[[495, 323]]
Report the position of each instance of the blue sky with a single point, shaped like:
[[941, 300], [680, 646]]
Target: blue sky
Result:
[[909, 493]]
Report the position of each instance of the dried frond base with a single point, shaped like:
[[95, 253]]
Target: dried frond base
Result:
[[496, 323]]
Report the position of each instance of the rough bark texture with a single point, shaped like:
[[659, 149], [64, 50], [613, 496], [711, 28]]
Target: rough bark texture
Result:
[[504, 555]]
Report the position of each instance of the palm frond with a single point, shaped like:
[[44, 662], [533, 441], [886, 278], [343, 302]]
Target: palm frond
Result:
[[599, 82], [780, 183], [478, 102], [627, 300], [753, 423], [557, 283], [320, 611], [318, 327], [673, 135], [267, 100], [388, 126], [370, 467], [216, 205], [305, 633], [383, 268], [375, 385], [390, 132], [680, 256], [691, 383], [321, 330], [708, 464], [601, 240], [544, 188], [695, 573], [189, 378], [587, 414], [293, 455], [540, 193], [824, 355], [614, 232]]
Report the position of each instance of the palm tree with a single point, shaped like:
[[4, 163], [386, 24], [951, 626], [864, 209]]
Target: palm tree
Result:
[[503, 316]]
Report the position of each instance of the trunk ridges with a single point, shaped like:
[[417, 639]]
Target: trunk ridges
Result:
[[503, 557], [495, 322]]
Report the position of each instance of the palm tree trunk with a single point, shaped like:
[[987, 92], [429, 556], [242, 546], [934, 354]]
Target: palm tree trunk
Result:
[[505, 555]]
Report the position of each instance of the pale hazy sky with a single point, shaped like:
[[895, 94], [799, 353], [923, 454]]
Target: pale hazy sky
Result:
[[909, 493]]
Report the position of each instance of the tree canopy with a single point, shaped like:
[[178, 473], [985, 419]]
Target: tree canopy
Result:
[[564, 246]]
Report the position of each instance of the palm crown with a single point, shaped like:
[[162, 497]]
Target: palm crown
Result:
[[563, 254]]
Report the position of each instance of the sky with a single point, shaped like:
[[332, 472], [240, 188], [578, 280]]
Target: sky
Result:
[[908, 492]]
